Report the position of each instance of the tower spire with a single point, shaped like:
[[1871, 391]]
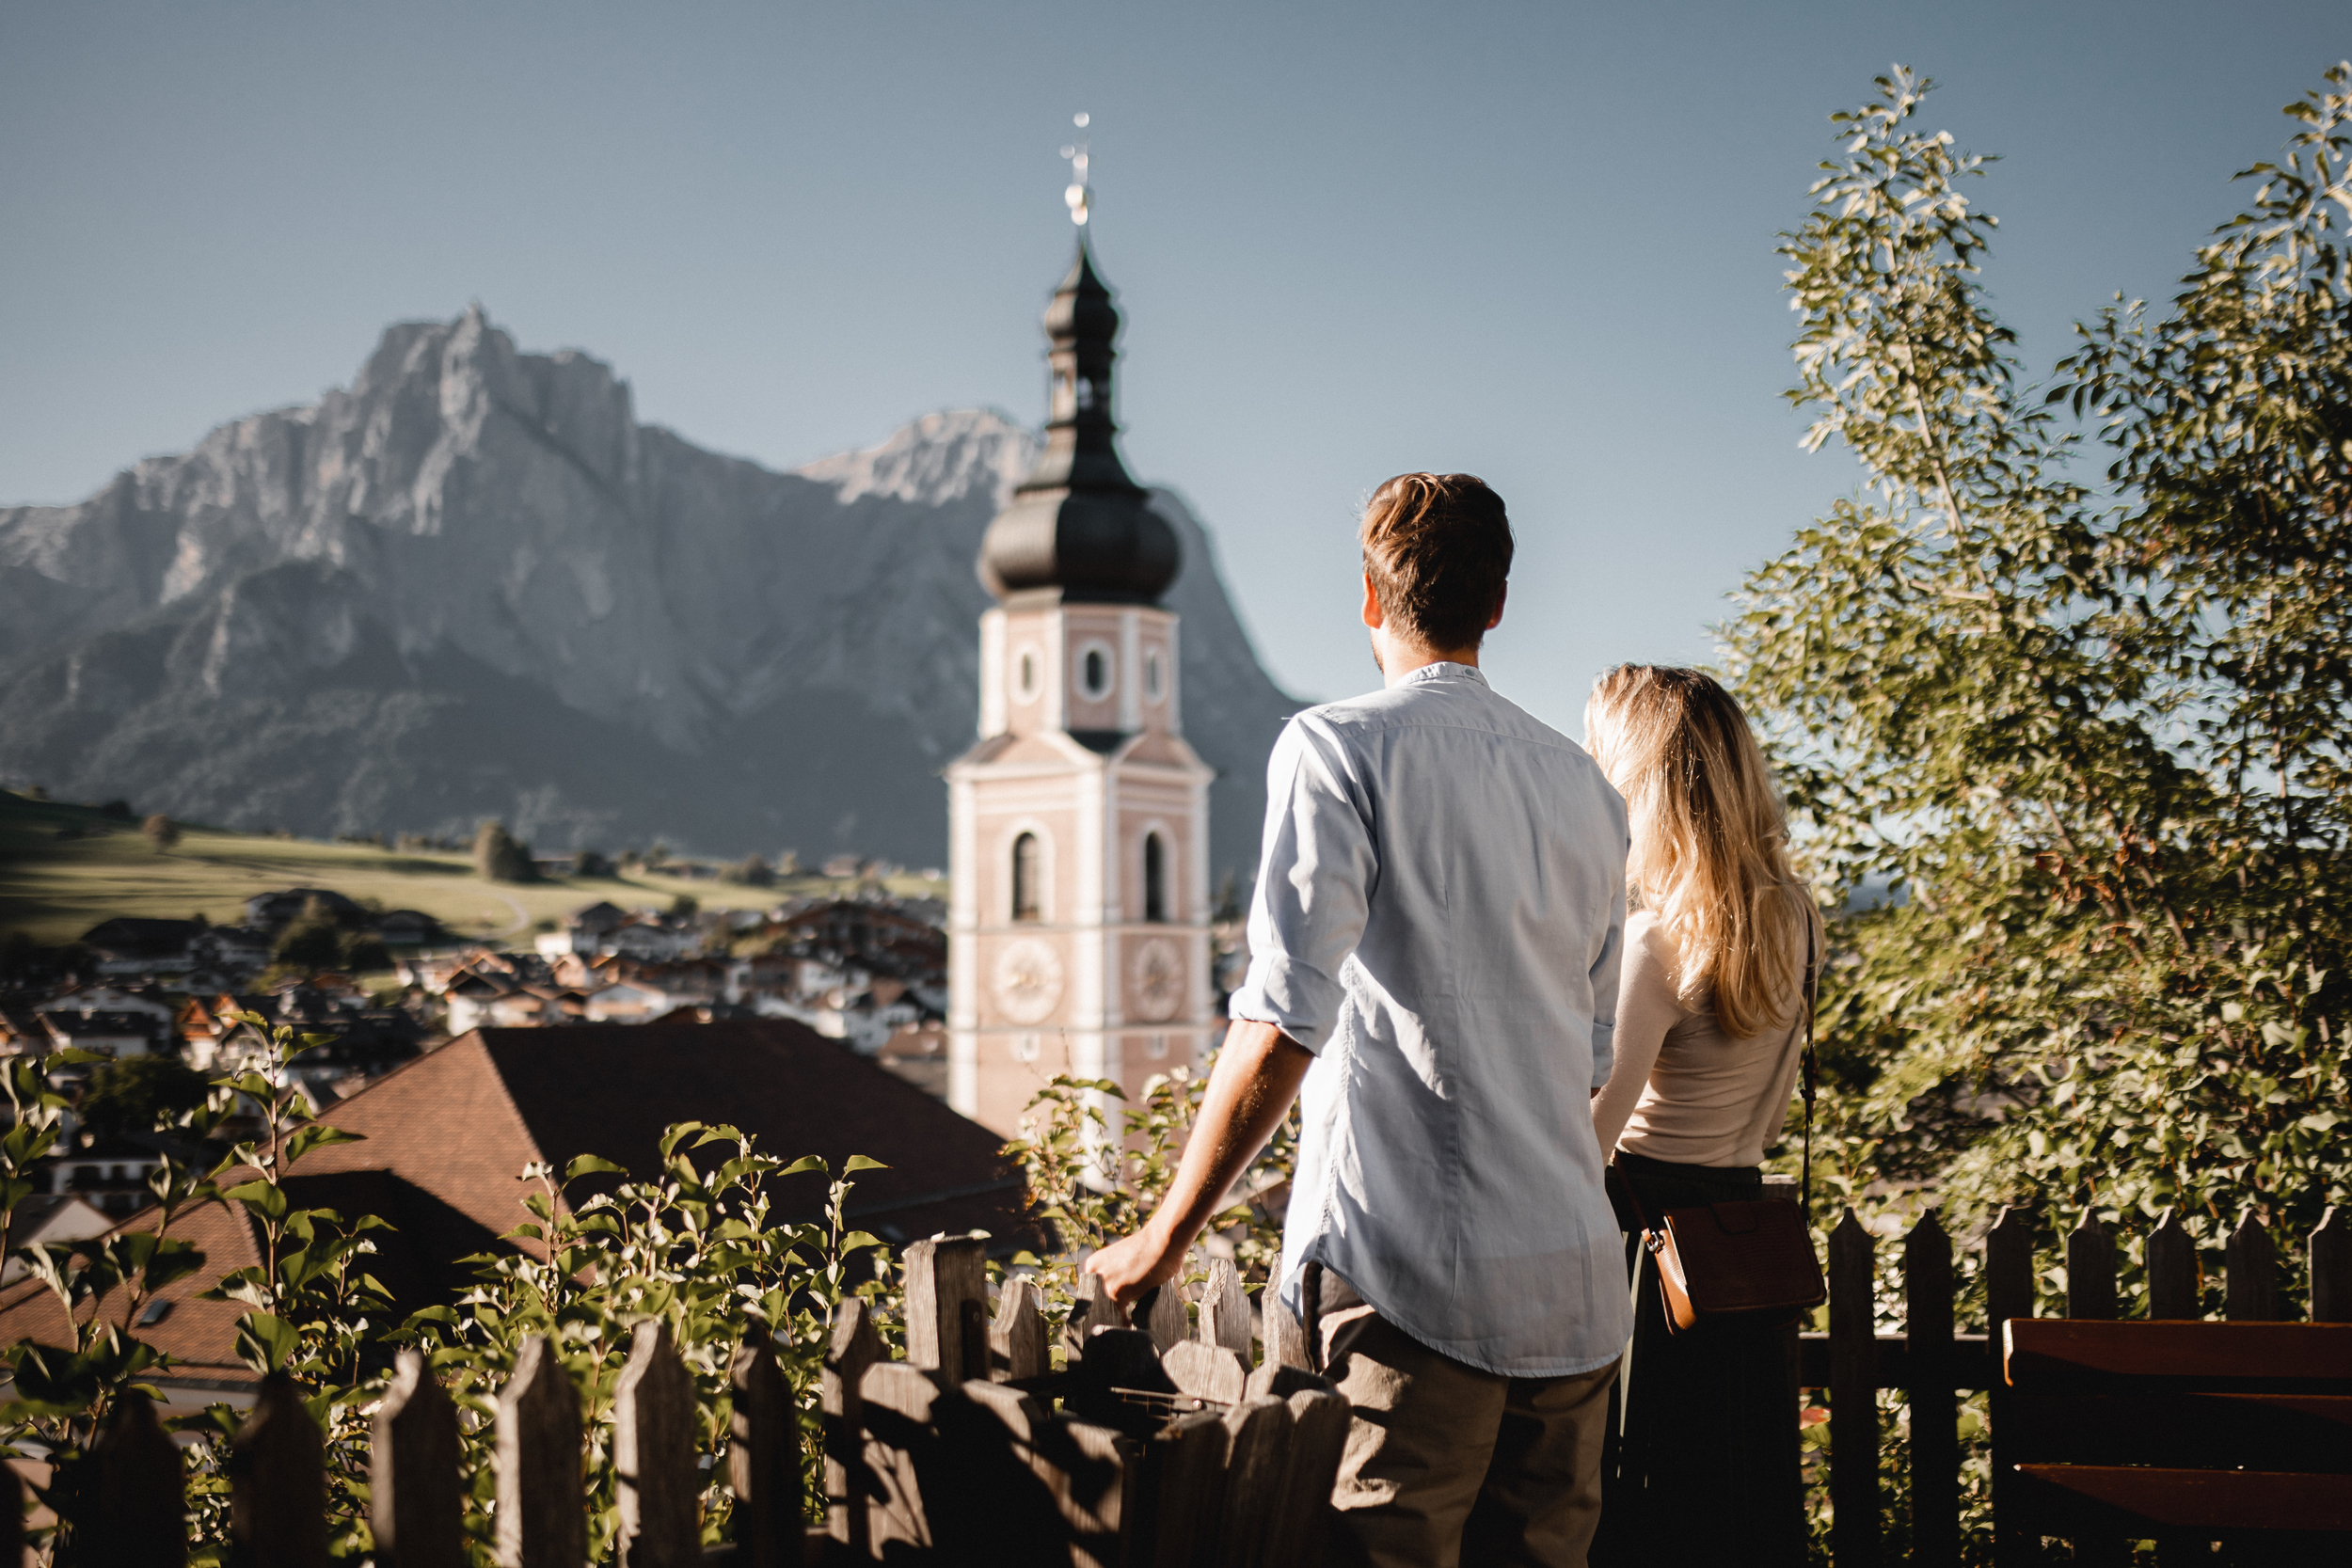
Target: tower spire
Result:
[[1078, 527]]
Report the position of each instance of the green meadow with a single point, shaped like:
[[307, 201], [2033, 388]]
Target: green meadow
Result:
[[64, 868]]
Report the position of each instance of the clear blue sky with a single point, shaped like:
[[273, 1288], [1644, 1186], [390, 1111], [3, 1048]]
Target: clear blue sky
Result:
[[1532, 241]]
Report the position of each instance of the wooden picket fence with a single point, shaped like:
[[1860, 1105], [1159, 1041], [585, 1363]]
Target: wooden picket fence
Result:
[[1934, 1366], [1172, 1451]]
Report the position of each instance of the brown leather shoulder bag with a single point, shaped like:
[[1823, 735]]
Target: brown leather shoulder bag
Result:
[[1748, 1261]]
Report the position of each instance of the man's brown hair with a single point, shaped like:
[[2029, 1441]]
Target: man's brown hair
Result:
[[1437, 548]]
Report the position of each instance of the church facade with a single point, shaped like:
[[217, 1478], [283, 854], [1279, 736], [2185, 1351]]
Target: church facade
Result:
[[1078, 823]]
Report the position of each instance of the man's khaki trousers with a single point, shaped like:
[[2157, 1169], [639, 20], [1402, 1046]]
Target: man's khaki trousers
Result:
[[1447, 1465]]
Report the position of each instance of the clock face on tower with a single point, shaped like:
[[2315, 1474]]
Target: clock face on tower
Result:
[[1028, 980], [1159, 976]]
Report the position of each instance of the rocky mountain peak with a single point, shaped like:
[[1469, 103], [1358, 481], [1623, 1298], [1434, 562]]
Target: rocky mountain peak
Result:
[[472, 584]]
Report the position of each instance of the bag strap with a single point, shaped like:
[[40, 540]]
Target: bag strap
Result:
[[1633, 1193], [1812, 993]]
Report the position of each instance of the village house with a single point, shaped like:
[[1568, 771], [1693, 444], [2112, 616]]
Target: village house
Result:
[[444, 1140]]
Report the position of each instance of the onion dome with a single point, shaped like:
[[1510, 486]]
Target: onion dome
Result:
[[1078, 530]]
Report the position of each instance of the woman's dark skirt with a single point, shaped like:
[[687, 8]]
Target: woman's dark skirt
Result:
[[1705, 1468]]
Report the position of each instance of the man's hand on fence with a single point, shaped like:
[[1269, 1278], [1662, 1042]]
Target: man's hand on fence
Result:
[[1133, 1264], [1257, 1076]]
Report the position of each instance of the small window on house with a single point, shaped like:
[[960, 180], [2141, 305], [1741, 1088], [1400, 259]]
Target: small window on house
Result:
[[1154, 878], [154, 1312], [1026, 686], [1096, 673], [1027, 878], [1152, 687]]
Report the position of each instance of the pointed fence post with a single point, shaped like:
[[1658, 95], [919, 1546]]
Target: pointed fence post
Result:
[[413, 1504], [1016, 1343], [1320, 1419], [2252, 1294], [654, 1450], [1225, 1311], [278, 1498], [142, 1515], [2332, 1268], [2007, 1293], [2091, 1270], [1206, 1371], [542, 1513], [763, 1456], [1934, 1411], [2173, 1285], [1257, 1456], [947, 1297], [1182, 1507], [1093, 1309], [1854, 1432], [1285, 1342], [1162, 1315]]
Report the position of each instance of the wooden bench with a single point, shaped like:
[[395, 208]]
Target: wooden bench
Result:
[[2178, 1431]]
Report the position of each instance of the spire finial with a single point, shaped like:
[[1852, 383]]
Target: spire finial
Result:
[[1080, 195]]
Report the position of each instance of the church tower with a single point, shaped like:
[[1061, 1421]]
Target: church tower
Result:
[[1078, 825]]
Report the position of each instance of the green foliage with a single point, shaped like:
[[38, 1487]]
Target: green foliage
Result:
[[2083, 750], [499, 856], [138, 1093], [1087, 1187], [754, 872], [315, 940], [699, 1248], [2093, 747]]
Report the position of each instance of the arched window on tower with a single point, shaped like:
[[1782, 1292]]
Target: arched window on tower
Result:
[[1154, 878], [1028, 876]]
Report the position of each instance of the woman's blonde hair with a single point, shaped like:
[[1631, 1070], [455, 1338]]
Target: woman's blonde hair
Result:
[[1711, 842]]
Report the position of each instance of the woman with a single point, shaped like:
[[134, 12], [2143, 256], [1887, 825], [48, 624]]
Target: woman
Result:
[[1710, 1027]]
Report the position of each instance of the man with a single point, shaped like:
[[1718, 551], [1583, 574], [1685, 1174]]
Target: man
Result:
[[1436, 936]]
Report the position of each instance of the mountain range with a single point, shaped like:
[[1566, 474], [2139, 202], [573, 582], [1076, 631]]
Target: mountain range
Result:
[[472, 585]]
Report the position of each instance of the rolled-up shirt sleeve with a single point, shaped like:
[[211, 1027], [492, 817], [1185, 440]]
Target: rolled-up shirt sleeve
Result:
[[1314, 886]]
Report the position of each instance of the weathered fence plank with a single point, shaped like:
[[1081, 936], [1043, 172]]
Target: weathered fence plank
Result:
[[1225, 1311], [946, 1306], [1320, 1418], [277, 1490], [2332, 1268], [1184, 1495], [1205, 1371], [1008, 1489], [654, 1448], [1285, 1342], [1016, 1342], [1093, 1309], [2090, 1293], [1853, 1452], [1162, 1315], [763, 1460], [413, 1503], [142, 1519], [2173, 1286], [2009, 1293], [2250, 1294], [1094, 1473], [1934, 1411], [2091, 1270], [1257, 1456], [542, 1516]]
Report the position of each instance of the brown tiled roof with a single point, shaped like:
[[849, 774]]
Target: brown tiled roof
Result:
[[444, 1140]]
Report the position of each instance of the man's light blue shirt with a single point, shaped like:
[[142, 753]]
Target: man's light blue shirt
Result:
[[1440, 918]]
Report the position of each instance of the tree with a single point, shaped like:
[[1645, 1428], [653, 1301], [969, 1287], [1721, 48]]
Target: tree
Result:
[[2090, 748], [160, 831], [592, 862], [498, 856], [139, 1093], [315, 940], [754, 872]]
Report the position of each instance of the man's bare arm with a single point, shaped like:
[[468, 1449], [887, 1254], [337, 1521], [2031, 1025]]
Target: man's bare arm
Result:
[[1257, 1076]]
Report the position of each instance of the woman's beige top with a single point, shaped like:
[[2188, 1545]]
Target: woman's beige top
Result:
[[1680, 1089]]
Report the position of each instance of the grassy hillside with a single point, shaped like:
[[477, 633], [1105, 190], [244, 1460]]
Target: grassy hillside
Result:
[[56, 887]]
